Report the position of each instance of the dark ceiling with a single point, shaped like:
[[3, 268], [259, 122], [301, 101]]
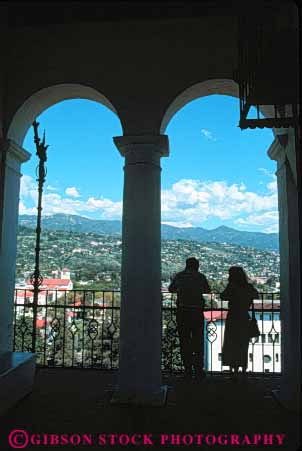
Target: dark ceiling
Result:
[[15, 14], [34, 14], [20, 14]]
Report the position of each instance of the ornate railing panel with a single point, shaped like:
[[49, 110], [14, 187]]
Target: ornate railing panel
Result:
[[77, 328]]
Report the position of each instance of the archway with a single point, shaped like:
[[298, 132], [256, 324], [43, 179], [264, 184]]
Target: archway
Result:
[[46, 97], [212, 192], [20, 124], [221, 86], [282, 150]]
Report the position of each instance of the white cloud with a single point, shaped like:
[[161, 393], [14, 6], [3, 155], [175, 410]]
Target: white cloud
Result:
[[261, 219], [267, 173], [187, 203], [178, 224], [268, 219], [72, 191], [56, 203], [51, 188], [23, 210], [194, 201], [28, 187], [272, 229], [272, 186], [208, 134], [110, 209]]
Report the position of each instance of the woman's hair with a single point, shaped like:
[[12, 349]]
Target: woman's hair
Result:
[[237, 275]]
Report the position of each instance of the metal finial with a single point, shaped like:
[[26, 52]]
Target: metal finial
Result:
[[36, 278]]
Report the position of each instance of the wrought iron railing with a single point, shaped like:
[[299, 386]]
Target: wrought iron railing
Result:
[[80, 328], [76, 328]]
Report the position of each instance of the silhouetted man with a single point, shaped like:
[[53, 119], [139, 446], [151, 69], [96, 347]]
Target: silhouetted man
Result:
[[190, 285]]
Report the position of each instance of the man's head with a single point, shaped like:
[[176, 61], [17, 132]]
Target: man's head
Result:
[[192, 263]]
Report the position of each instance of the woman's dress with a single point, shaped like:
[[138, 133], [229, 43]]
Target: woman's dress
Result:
[[236, 338]]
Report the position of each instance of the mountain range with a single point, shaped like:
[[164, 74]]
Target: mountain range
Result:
[[222, 234]]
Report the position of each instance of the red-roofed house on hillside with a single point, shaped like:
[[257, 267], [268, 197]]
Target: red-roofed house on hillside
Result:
[[51, 289]]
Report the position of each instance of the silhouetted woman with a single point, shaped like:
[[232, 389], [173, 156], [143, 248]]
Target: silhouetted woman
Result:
[[240, 294]]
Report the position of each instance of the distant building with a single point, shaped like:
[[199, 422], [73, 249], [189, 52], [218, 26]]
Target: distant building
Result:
[[264, 353], [63, 275], [50, 290], [260, 280]]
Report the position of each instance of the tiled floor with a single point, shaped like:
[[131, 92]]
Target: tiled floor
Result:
[[77, 401]]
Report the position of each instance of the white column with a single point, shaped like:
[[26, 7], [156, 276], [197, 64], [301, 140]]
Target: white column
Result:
[[15, 155], [290, 288], [141, 324]]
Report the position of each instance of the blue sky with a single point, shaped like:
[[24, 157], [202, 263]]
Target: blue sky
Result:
[[215, 175]]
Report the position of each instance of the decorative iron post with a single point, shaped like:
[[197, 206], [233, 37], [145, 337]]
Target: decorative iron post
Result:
[[36, 278]]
